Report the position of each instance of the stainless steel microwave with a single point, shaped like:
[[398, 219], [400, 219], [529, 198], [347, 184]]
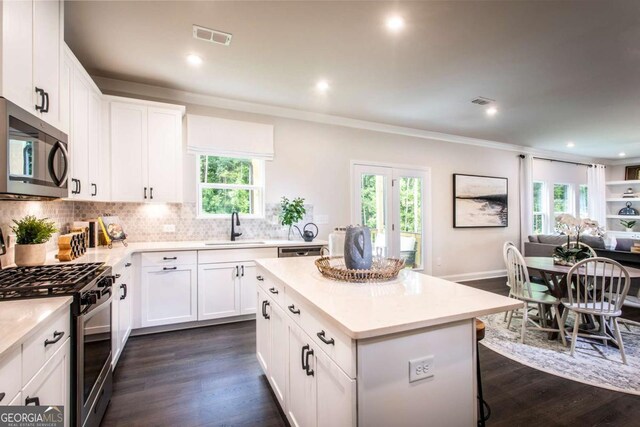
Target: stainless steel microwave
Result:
[[34, 161]]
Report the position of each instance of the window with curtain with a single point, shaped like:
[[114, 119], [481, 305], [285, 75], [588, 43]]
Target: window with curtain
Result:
[[562, 200], [227, 185], [538, 207], [584, 201]]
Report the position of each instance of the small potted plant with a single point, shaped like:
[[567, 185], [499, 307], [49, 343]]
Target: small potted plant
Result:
[[32, 235], [291, 212], [628, 224]]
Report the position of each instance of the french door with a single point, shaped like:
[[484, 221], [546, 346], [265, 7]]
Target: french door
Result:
[[393, 203]]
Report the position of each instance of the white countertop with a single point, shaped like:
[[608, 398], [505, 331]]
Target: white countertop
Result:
[[20, 318], [412, 301], [114, 255]]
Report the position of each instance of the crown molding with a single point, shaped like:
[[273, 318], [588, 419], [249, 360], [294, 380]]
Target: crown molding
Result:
[[624, 162], [122, 87]]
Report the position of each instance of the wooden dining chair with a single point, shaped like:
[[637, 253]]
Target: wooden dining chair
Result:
[[631, 301], [601, 285], [518, 277]]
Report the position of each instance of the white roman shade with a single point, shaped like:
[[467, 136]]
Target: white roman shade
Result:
[[229, 138]]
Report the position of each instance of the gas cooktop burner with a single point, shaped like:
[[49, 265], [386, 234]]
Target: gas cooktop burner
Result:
[[45, 280]]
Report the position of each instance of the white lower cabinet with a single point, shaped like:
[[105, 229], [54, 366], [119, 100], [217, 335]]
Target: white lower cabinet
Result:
[[263, 333], [121, 308], [301, 409], [226, 289], [279, 344], [169, 294]]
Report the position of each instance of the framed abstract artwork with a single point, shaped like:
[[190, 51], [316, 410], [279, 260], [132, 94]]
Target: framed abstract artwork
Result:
[[480, 201]]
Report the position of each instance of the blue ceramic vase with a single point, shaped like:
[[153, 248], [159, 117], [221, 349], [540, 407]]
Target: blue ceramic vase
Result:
[[357, 248]]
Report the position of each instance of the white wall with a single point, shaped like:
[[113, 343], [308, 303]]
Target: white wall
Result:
[[313, 161]]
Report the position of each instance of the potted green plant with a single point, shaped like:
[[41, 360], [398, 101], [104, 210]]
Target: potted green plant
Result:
[[628, 224], [32, 235], [291, 212]]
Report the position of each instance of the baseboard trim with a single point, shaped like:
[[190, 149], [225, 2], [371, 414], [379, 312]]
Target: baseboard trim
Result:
[[190, 325], [478, 275]]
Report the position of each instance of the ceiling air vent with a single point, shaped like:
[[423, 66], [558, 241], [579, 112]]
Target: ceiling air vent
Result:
[[212, 36], [481, 100]]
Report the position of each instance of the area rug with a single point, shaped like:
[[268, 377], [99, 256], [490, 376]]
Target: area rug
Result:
[[593, 362]]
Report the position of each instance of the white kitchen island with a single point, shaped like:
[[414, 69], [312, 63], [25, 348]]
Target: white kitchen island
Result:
[[399, 353]]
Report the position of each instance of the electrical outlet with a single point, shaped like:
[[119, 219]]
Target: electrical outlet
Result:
[[169, 228], [421, 369]]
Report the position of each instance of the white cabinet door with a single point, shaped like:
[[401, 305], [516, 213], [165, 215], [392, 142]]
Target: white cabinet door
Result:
[[51, 384], [165, 154], [248, 286], [336, 394], [79, 186], [96, 180], [115, 338], [66, 74], [263, 332], [47, 37], [128, 152], [278, 369], [169, 295], [125, 311], [301, 409], [17, 53], [218, 290]]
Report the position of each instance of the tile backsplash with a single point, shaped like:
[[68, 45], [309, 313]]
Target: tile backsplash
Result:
[[145, 222]]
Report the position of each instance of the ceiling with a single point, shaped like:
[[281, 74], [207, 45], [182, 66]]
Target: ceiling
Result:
[[559, 71]]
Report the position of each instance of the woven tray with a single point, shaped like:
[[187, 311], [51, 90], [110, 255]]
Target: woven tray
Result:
[[382, 270]]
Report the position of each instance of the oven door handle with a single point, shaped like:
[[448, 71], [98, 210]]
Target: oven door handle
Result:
[[94, 309], [58, 181]]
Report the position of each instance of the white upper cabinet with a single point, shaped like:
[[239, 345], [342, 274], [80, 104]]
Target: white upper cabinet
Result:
[[32, 33], [146, 151]]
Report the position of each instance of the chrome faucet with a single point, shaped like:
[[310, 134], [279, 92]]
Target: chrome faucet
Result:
[[233, 225]]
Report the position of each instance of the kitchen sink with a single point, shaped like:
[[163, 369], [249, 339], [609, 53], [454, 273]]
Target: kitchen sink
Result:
[[237, 242]]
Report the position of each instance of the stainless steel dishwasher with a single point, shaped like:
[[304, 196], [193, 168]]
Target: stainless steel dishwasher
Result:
[[295, 251]]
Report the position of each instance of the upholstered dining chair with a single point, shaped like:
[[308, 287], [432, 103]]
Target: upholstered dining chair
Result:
[[518, 277], [601, 285]]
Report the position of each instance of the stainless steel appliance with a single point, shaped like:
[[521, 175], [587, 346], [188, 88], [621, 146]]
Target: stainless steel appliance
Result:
[[90, 285], [34, 162], [294, 251]]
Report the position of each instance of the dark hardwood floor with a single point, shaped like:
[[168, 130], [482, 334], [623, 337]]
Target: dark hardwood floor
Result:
[[210, 377]]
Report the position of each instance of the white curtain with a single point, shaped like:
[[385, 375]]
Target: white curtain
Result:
[[526, 198], [597, 194]]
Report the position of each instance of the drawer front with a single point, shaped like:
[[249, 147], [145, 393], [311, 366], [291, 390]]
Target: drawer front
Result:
[[271, 287], [152, 259], [338, 346], [37, 350], [235, 255], [123, 267], [10, 381]]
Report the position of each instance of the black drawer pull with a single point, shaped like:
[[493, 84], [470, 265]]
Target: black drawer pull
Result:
[[169, 268], [306, 359], [118, 276], [2, 395], [265, 304], [30, 400], [128, 264], [322, 337], [304, 349], [167, 258], [273, 291], [260, 278], [293, 309], [57, 336], [124, 288]]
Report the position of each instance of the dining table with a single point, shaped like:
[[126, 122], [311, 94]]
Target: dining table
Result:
[[554, 277]]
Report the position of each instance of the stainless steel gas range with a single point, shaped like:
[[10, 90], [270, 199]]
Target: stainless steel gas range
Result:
[[90, 286]]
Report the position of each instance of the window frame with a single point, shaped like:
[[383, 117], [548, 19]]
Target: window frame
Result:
[[253, 188], [579, 197], [543, 206]]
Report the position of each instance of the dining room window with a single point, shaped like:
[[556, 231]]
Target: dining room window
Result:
[[584, 201], [538, 207], [562, 194]]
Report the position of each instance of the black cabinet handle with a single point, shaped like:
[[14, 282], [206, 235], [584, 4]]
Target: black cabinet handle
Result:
[[79, 186], [57, 336], [95, 190], [2, 395], [242, 269], [128, 264], [260, 278], [145, 192], [322, 337], [293, 309], [168, 258], [124, 288], [46, 102], [41, 93], [273, 291], [306, 361], [265, 304], [151, 193], [169, 268], [237, 271], [118, 276], [30, 400], [304, 349]]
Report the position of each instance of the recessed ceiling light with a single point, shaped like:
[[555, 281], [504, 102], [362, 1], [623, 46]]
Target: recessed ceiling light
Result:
[[492, 111], [571, 144], [395, 23], [322, 86], [622, 154], [194, 59]]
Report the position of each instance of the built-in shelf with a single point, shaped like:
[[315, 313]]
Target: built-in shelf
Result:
[[624, 199], [627, 182], [623, 216]]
